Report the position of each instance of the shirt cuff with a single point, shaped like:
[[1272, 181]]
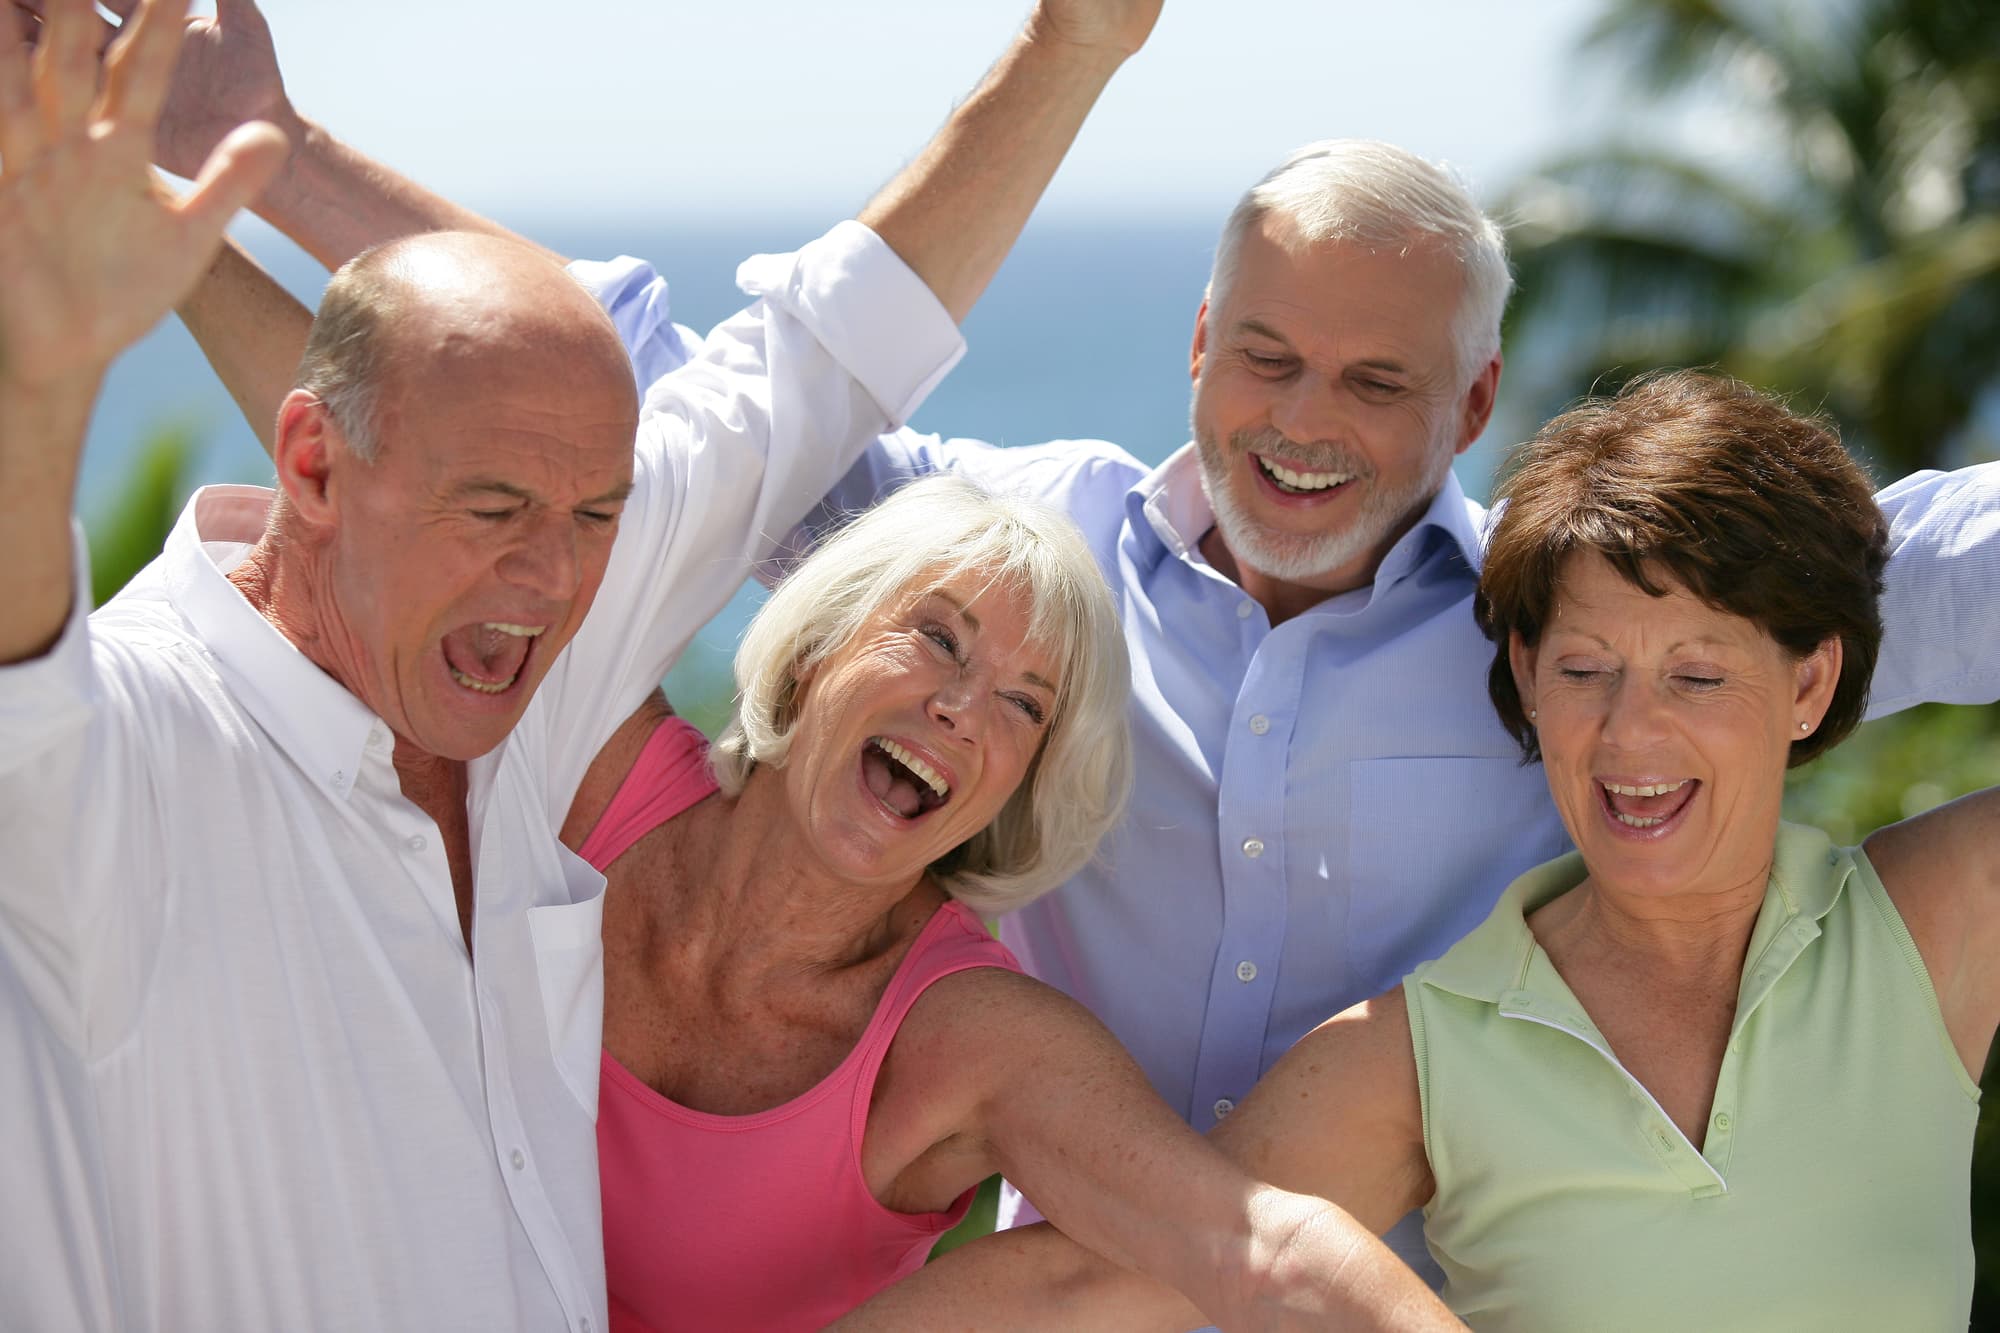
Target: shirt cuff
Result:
[[868, 308], [636, 298], [47, 698]]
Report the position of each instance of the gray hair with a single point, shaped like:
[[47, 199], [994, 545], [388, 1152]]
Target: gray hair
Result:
[[1381, 196], [928, 533], [344, 353]]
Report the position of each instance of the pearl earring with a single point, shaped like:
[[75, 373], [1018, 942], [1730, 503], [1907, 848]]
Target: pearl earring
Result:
[[1532, 715], [1805, 726]]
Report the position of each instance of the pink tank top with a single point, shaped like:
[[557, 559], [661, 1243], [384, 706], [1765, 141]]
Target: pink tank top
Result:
[[761, 1221]]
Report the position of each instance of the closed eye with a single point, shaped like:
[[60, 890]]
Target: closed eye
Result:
[[1578, 674], [1699, 682], [1031, 706]]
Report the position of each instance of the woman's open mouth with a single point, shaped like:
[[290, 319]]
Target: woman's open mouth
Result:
[[900, 779], [1646, 808]]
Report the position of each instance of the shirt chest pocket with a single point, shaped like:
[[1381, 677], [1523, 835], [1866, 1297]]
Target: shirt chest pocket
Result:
[[1432, 842], [569, 965]]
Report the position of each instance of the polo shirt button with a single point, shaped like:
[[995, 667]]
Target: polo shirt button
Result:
[[1722, 1120], [1246, 971], [415, 842], [1223, 1106], [1253, 847], [1259, 724], [518, 1158], [583, 1325], [1243, 609]]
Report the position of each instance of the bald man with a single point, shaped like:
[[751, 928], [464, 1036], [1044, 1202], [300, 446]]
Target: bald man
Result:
[[299, 993]]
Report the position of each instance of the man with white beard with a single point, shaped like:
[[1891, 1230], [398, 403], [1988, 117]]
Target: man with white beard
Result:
[[1324, 798]]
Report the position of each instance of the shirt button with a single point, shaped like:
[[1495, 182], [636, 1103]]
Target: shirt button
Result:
[[415, 842], [1223, 1106], [1722, 1120], [1253, 847], [1243, 609], [339, 778], [583, 1325], [1246, 971], [1259, 724], [518, 1158]]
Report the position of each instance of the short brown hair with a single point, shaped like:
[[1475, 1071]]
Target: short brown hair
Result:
[[1705, 482]]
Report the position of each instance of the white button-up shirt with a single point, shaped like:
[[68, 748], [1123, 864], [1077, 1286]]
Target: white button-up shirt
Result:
[[254, 1080]]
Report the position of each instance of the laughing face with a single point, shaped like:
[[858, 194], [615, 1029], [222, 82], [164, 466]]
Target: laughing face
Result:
[[1665, 727], [913, 736], [464, 557], [1328, 404]]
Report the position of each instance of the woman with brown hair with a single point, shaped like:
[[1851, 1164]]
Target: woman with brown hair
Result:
[[1708, 1070]]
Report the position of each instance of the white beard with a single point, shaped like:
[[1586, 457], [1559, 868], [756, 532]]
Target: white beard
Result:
[[1302, 557]]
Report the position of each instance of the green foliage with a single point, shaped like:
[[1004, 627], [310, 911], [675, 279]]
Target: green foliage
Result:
[[130, 530], [1853, 262]]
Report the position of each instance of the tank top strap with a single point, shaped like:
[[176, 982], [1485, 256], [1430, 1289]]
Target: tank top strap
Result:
[[670, 775], [953, 940]]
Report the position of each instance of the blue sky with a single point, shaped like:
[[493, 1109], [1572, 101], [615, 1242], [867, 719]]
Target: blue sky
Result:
[[718, 109]]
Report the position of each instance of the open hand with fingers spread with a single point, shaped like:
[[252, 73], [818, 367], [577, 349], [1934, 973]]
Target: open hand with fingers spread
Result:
[[93, 250]]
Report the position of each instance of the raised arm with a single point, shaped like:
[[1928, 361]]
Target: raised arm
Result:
[[954, 213], [92, 253], [1067, 1115]]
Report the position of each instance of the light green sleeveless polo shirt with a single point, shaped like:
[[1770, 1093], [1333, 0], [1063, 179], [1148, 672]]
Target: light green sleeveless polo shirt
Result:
[[1830, 1191]]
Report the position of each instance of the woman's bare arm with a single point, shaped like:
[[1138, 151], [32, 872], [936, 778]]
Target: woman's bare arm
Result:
[[1176, 1233], [1942, 871]]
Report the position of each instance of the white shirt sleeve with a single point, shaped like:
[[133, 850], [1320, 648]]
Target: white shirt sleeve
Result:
[[843, 342], [1941, 595], [52, 769]]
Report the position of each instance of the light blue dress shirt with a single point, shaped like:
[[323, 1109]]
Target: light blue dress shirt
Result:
[[1322, 805]]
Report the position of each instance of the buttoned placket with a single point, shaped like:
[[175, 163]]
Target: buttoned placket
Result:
[[1250, 804]]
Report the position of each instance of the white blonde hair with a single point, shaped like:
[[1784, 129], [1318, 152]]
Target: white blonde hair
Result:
[[925, 535], [1381, 196]]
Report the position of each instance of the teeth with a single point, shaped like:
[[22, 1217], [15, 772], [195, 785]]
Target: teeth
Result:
[[1659, 789], [518, 631], [483, 686], [914, 764], [1304, 481], [1634, 821]]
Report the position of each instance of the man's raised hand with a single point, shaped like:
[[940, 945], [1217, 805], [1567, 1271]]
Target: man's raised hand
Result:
[[1118, 26], [93, 250], [227, 75]]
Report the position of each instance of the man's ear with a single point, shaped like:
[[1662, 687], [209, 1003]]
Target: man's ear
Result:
[[1476, 408], [1198, 349], [303, 448]]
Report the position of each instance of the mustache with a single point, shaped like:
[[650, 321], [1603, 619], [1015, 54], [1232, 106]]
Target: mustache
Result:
[[1318, 456]]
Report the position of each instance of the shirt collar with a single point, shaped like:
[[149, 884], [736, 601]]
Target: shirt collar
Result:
[[1499, 962], [1170, 505], [312, 717]]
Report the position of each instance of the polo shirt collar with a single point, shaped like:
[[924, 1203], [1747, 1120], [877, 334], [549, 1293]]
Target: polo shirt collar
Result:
[[323, 728], [1169, 505], [1500, 963]]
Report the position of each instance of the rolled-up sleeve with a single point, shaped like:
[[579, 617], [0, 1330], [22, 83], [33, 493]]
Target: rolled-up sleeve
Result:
[[842, 343], [1941, 600]]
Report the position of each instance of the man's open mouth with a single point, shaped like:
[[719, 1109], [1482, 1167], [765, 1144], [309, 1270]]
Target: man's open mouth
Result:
[[488, 657], [1299, 481]]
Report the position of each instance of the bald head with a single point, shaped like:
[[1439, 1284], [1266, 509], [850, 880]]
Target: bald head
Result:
[[399, 317]]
